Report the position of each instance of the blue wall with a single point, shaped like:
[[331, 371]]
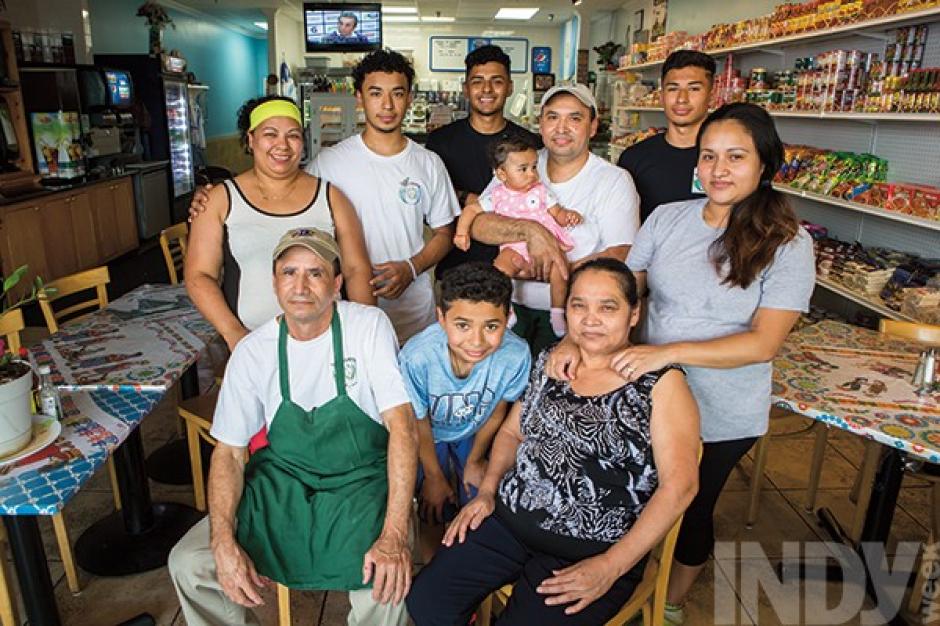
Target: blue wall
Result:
[[232, 64]]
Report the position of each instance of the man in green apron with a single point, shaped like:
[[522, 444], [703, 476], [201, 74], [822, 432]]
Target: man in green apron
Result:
[[326, 505]]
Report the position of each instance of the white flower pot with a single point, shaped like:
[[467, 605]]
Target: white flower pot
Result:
[[16, 424]]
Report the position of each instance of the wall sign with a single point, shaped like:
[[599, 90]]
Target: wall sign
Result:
[[447, 53], [541, 60]]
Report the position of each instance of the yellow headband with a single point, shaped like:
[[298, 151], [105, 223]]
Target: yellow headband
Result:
[[273, 108]]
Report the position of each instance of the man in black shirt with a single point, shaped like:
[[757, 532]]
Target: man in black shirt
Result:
[[464, 145], [664, 167]]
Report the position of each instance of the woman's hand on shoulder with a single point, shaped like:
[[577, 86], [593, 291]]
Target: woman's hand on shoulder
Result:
[[200, 202], [635, 361], [470, 517], [563, 361]]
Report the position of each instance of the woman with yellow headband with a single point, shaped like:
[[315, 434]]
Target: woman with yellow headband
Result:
[[245, 218]]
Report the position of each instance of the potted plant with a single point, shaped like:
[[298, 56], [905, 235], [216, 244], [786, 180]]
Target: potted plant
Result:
[[157, 20], [607, 54], [16, 377]]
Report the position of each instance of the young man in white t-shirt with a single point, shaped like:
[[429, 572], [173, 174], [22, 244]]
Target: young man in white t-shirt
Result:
[[601, 192], [396, 186], [215, 577]]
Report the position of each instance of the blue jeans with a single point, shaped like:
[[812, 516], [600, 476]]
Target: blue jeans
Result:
[[452, 457]]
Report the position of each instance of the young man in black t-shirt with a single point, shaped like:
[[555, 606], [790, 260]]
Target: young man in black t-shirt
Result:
[[464, 145], [663, 167]]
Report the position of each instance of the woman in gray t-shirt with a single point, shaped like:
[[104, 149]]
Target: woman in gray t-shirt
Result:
[[727, 278]]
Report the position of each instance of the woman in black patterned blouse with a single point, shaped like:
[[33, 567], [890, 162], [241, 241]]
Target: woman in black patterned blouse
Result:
[[584, 477]]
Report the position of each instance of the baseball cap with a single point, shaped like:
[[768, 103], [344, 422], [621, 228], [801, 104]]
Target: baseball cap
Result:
[[317, 241], [579, 91]]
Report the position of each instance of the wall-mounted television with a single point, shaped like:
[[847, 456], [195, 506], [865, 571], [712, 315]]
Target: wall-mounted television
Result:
[[343, 27], [120, 92]]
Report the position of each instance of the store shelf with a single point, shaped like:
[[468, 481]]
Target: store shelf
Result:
[[862, 299], [827, 115], [856, 28], [858, 206]]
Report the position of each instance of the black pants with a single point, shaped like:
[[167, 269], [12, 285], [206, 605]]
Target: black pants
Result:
[[449, 589], [697, 533]]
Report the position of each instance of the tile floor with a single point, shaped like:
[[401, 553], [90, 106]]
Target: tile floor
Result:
[[726, 593]]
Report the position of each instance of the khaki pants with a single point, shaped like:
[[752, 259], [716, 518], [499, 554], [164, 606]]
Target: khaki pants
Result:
[[192, 568]]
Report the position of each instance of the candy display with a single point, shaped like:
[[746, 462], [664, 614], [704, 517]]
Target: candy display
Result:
[[629, 139], [842, 80], [901, 281], [857, 177], [787, 19]]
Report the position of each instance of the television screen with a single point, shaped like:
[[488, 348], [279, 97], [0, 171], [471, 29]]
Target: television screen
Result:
[[342, 27], [119, 88]]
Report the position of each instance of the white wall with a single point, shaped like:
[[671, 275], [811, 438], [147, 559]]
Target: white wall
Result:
[[286, 39], [415, 37], [695, 16], [56, 15]]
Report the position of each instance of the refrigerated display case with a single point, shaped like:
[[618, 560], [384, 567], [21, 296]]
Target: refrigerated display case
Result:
[[181, 150], [161, 105]]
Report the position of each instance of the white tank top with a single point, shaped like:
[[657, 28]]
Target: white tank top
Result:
[[250, 235]]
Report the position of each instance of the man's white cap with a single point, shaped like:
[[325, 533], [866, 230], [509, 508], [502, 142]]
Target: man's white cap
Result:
[[579, 91]]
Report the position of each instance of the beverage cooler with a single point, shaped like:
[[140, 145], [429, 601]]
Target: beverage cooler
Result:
[[181, 150], [162, 103]]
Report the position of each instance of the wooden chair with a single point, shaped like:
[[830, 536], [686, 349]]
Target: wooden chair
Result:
[[96, 278], [197, 415], [173, 242], [648, 597]]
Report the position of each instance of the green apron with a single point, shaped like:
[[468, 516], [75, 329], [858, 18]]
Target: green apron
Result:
[[314, 499]]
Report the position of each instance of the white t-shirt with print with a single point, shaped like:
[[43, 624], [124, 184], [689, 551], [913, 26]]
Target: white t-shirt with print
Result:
[[394, 197], [606, 198], [251, 391]]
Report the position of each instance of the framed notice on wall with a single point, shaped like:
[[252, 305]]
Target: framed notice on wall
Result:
[[447, 53], [518, 51]]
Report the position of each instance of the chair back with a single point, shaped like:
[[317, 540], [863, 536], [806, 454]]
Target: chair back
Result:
[[173, 242], [11, 323], [96, 278], [921, 333]]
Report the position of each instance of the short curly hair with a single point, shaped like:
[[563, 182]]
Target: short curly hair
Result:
[[387, 61], [487, 54], [474, 282], [244, 117]]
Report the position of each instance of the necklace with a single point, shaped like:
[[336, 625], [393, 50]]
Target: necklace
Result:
[[274, 198]]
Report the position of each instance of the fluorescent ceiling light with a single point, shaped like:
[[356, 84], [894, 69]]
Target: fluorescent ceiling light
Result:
[[512, 13], [434, 18], [401, 18], [262, 25], [498, 33], [407, 10]]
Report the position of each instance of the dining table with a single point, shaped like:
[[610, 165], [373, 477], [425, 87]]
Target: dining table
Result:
[[859, 381], [112, 368]]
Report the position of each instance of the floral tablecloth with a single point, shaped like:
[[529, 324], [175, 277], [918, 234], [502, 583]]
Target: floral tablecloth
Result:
[[142, 341], [858, 380], [94, 424]]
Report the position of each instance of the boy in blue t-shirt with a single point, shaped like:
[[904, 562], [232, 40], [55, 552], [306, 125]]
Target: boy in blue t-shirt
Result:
[[462, 373]]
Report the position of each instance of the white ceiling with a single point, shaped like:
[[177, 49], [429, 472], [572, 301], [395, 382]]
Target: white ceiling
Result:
[[244, 13]]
